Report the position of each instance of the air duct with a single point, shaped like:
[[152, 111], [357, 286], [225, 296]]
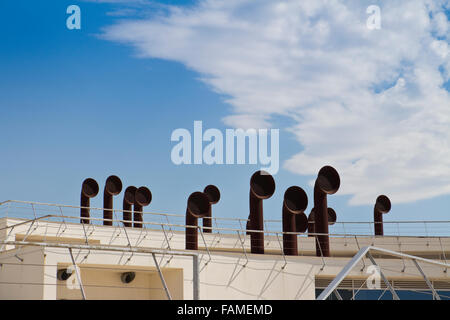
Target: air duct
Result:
[[142, 199], [327, 182], [262, 186], [382, 205], [294, 219], [113, 187], [128, 202], [89, 189], [311, 224], [213, 194], [198, 206]]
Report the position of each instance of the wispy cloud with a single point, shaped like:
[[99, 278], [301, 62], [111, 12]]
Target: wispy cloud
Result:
[[372, 103]]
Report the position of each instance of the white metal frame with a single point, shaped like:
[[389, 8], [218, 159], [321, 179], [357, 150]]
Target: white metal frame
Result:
[[366, 251]]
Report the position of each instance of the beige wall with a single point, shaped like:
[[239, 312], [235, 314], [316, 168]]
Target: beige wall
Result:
[[22, 279], [228, 273]]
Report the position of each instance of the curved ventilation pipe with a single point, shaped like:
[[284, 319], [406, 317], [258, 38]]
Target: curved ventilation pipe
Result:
[[128, 202], [262, 186], [142, 199], [294, 219], [327, 182], [89, 189], [311, 224], [113, 187], [213, 194], [382, 205], [198, 206]]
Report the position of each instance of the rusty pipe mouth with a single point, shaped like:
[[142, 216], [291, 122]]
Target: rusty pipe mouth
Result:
[[331, 216], [198, 204], [328, 180], [143, 196], [301, 222], [213, 193], [129, 195], [383, 204], [262, 184], [89, 188], [113, 185], [295, 200]]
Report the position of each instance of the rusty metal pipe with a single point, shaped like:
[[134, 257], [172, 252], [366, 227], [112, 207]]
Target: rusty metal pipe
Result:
[[262, 186], [382, 205], [213, 195], [327, 182], [128, 202], [294, 219], [113, 187], [198, 206], [311, 224], [143, 198], [89, 189]]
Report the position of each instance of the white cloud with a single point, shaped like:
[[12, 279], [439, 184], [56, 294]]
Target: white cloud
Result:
[[369, 102]]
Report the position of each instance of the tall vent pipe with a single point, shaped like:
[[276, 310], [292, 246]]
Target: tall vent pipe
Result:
[[113, 187], [213, 194], [327, 182], [262, 186], [89, 189], [198, 206], [143, 198], [128, 202], [311, 224], [382, 205], [294, 219]]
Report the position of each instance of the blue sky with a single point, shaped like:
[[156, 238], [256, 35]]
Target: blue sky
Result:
[[94, 102]]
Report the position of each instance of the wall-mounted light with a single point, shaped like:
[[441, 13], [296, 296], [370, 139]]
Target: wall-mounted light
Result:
[[127, 277], [63, 274]]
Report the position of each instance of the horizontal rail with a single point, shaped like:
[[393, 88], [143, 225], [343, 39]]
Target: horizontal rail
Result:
[[218, 218], [232, 230]]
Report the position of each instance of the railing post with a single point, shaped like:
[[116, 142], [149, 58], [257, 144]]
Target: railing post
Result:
[[83, 294], [166, 289], [196, 278], [243, 247]]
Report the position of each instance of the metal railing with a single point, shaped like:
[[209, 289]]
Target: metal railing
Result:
[[367, 252], [223, 229]]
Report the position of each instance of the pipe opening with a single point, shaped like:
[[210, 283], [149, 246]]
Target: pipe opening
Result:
[[143, 196], [213, 193], [328, 180], [332, 218], [129, 195], [301, 222], [128, 201], [295, 200], [113, 185], [90, 188], [383, 204], [262, 185], [198, 204]]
